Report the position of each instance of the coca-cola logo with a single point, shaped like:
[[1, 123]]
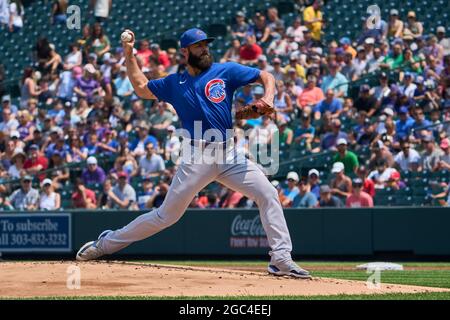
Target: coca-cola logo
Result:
[[247, 227]]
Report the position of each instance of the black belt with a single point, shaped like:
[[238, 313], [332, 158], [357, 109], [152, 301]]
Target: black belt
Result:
[[220, 144]]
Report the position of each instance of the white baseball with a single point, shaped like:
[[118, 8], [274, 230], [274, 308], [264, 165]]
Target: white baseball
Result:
[[126, 36]]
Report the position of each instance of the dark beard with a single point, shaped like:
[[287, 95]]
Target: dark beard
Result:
[[202, 63]]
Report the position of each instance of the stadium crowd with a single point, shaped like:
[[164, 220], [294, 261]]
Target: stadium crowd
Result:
[[87, 141]]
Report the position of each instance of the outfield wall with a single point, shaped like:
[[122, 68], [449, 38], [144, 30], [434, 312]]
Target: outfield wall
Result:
[[315, 232]]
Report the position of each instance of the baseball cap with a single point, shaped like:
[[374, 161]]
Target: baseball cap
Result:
[[258, 90], [444, 143], [419, 80], [123, 134], [92, 55], [341, 141], [337, 167], [388, 112], [339, 51], [344, 40], [383, 75], [369, 40], [395, 175], [122, 174], [408, 74], [14, 134], [275, 183], [33, 147], [276, 60], [6, 98], [357, 181], [171, 128], [293, 175], [89, 68], [91, 160], [240, 14], [364, 88], [403, 110], [428, 138], [262, 58], [313, 171], [440, 29], [192, 36], [77, 70], [394, 12], [325, 189], [27, 178], [123, 69], [46, 181]]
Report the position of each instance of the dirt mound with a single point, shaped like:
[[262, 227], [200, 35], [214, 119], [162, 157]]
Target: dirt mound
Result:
[[43, 279]]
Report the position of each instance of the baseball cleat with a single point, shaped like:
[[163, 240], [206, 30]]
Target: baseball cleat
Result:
[[90, 250], [290, 269]]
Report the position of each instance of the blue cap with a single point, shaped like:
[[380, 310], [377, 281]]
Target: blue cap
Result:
[[345, 40], [403, 110], [192, 36]]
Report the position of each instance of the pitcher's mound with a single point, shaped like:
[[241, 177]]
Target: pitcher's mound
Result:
[[52, 279]]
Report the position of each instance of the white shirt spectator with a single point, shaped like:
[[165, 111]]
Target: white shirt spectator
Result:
[[17, 18], [9, 126], [48, 202], [379, 179], [404, 162], [4, 12], [296, 33], [408, 90]]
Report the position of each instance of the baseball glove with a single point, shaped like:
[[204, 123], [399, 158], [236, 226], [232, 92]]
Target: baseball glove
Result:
[[255, 110]]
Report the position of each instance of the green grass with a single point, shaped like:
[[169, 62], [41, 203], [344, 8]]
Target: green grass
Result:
[[399, 296]]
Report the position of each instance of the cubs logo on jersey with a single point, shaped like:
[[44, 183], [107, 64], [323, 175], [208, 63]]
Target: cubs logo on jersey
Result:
[[215, 90]]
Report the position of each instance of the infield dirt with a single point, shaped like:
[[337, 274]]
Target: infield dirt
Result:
[[45, 279]]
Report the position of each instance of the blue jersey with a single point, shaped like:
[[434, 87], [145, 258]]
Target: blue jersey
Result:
[[206, 97]]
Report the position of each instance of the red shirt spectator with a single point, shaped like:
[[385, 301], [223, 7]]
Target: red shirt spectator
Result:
[[232, 199], [162, 56], [35, 163], [359, 198], [250, 51], [83, 197], [369, 187], [144, 53]]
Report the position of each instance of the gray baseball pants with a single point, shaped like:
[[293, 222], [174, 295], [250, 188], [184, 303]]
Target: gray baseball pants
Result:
[[236, 173]]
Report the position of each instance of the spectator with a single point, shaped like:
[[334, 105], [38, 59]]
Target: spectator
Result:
[[305, 133], [16, 170], [330, 139], [368, 184], [93, 173], [123, 195], [395, 25], [152, 164], [277, 71], [123, 85], [16, 13], [404, 124], [296, 30], [139, 144], [144, 53], [240, 28], [311, 95], [86, 86], [250, 51], [29, 88], [313, 181], [98, 42], [420, 123], [359, 198], [231, 199], [4, 14], [160, 120], [35, 163], [327, 199], [59, 9], [394, 59], [260, 30], [382, 174], [348, 158], [146, 193], [341, 185], [335, 81], [158, 197], [102, 8], [49, 199], [292, 190], [313, 19], [329, 104], [431, 155], [282, 103], [374, 62], [233, 53], [82, 197], [346, 45], [444, 162], [406, 157], [305, 198], [24, 198], [9, 123], [412, 27], [160, 55], [443, 41]]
